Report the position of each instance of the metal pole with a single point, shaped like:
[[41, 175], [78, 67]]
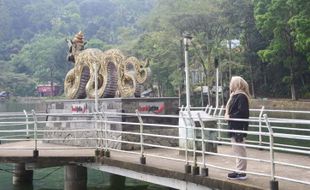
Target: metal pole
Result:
[[260, 125], [107, 152], [142, 158], [206, 109], [96, 108], [195, 170], [215, 110], [27, 125], [98, 135], [96, 88], [217, 87], [203, 148], [188, 101], [186, 39], [219, 123], [204, 170], [97, 130], [229, 65], [187, 166], [273, 183], [35, 128], [210, 109], [201, 96]]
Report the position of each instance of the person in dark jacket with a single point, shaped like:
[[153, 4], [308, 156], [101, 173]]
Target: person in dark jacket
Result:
[[238, 108]]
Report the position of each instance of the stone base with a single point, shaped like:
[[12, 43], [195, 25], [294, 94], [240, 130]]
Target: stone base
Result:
[[112, 105]]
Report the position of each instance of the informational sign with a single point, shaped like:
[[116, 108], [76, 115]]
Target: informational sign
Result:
[[152, 107], [79, 108]]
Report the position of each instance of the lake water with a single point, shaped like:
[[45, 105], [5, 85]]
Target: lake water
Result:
[[53, 178]]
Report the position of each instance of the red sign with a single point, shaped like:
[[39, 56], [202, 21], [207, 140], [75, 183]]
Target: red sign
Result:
[[152, 107], [79, 108]]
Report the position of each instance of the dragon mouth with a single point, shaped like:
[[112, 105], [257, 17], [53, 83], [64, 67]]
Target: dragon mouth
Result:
[[71, 58]]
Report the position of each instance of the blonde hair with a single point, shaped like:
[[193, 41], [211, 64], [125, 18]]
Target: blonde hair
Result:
[[238, 84]]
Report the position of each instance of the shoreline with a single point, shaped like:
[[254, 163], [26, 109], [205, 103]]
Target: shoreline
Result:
[[282, 104]]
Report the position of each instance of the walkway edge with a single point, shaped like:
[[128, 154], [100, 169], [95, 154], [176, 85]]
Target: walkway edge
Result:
[[123, 168]]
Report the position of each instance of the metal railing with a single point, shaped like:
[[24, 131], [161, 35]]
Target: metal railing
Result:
[[264, 130]]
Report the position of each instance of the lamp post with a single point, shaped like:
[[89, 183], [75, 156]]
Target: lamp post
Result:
[[186, 40], [216, 64], [96, 88]]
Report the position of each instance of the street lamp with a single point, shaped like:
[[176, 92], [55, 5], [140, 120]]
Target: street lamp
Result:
[[186, 40], [216, 64]]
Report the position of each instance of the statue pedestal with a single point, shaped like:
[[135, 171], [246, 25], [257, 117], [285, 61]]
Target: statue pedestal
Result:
[[79, 107]]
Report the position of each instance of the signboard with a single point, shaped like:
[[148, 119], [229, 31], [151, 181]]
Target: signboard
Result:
[[47, 90], [79, 108], [152, 107]]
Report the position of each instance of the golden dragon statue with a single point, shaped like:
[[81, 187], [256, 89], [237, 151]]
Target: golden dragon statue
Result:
[[116, 74]]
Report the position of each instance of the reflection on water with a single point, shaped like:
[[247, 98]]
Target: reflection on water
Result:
[[44, 179]]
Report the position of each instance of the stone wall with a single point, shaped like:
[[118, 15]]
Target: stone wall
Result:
[[283, 104], [80, 109]]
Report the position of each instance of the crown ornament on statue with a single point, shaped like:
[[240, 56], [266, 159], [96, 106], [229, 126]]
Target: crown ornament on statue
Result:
[[79, 37]]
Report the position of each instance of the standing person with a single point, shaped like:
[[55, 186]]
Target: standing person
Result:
[[238, 108]]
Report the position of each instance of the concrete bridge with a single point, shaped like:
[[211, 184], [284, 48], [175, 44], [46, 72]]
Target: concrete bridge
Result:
[[184, 151]]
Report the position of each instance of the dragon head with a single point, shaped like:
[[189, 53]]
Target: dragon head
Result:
[[75, 46]]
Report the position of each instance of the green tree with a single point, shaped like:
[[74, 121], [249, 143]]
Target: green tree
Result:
[[163, 53], [173, 18], [300, 23], [44, 59], [68, 21], [239, 16], [273, 20]]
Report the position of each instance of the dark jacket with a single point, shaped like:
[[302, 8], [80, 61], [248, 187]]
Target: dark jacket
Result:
[[238, 108]]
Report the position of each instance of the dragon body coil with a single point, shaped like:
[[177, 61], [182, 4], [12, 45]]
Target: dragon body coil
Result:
[[116, 74]]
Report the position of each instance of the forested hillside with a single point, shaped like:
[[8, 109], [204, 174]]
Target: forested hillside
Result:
[[265, 41]]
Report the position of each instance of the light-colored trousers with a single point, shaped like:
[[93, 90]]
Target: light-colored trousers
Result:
[[240, 151]]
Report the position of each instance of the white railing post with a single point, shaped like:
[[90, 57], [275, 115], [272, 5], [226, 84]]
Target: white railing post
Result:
[[99, 149], [206, 109], [106, 151], [210, 109], [35, 128], [142, 157], [187, 166], [219, 125], [215, 110], [204, 170], [195, 170], [260, 125], [95, 112], [274, 185], [27, 124]]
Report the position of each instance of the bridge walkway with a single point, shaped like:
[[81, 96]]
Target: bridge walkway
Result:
[[52, 154]]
